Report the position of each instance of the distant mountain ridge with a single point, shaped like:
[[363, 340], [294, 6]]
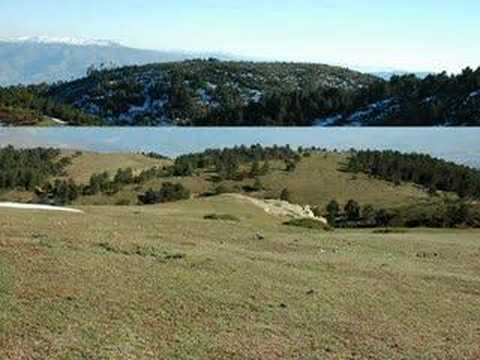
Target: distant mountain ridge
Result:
[[59, 40], [34, 60]]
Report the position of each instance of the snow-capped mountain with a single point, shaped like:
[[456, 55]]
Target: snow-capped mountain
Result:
[[59, 40], [33, 60]]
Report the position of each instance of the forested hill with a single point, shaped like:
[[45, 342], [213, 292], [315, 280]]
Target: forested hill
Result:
[[201, 92], [211, 92], [217, 93], [407, 100]]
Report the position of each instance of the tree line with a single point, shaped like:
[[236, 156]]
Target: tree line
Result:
[[434, 174], [26, 169], [442, 214], [215, 93], [238, 163], [438, 99]]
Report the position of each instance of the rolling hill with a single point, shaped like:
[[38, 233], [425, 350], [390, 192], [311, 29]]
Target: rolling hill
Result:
[[235, 93], [210, 92], [316, 181]]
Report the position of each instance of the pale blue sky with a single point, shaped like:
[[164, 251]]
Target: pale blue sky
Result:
[[401, 34]]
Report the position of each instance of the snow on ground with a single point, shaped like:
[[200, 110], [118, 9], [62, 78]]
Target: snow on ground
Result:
[[58, 121], [329, 121], [357, 118], [10, 205]]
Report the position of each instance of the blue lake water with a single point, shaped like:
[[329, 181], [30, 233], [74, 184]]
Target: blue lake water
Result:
[[456, 144]]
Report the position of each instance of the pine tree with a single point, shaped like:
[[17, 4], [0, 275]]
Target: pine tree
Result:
[[255, 170], [333, 210], [257, 186], [352, 210]]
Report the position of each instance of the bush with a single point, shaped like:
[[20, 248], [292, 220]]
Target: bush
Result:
[[123, 202], [285, 195], [222, 217], [226, 189]]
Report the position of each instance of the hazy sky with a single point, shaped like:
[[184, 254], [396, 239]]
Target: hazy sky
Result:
[[402, 34]]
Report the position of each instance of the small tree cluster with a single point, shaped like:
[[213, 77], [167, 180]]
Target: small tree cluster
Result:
[[169, 192]]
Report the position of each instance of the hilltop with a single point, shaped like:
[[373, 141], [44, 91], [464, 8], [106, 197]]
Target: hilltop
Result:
[[227, 93], [206, 92]]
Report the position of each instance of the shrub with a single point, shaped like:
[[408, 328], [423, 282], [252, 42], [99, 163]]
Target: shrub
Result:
[[123, 202], [308, 224], [221, 217], [285, 195], [352, 210], [225, 189]]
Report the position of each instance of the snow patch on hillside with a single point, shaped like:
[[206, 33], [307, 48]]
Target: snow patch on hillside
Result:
[[329, 121], [475, 93], [10, 205], [361, 117]]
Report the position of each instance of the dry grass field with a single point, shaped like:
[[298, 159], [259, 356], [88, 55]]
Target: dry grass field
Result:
[[161, 282], [89, 163]]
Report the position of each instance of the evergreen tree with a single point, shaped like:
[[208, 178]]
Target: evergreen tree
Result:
[[333, 210], [257, 186], [352, 210]]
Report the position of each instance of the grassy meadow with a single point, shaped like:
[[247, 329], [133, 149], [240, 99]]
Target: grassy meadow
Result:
[[316, 181], [162, 282]]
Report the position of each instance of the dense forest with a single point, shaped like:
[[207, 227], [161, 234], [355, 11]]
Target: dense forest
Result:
[[421, 169], [211, 92], [438, 99], [216, 93], [28, 106], [26, 169]]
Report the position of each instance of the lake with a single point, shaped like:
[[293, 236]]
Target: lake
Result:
[[457, 144]]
